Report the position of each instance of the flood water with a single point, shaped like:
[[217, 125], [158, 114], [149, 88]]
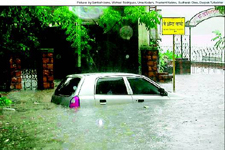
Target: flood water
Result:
[[196, 122]]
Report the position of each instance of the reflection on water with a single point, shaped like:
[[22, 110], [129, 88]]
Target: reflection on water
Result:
[[120, 126]]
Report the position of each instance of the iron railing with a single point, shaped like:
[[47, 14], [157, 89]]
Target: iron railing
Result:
[[29, 79], [199, 54]]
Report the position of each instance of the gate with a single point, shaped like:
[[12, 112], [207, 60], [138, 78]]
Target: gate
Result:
[[29, 72], [29, 79]]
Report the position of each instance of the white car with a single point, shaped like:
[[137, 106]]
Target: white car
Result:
[[79, 90]]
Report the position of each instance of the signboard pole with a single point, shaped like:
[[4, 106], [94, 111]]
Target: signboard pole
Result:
[[173, 63], [181, 45], [173, 26]]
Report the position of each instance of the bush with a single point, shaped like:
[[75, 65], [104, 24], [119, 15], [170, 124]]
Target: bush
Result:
[[5, 101], [165, 57]]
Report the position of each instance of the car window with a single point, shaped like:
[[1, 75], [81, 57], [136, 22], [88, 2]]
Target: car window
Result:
[[142, 86], [111, 86], [67, 86]]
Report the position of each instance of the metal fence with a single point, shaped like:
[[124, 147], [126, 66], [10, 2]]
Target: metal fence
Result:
[[204, 60], [208, 54], [199, 54]]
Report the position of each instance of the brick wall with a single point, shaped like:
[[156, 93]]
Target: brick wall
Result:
[[45, 69], [183, 66], [150, 63], [15, 73]]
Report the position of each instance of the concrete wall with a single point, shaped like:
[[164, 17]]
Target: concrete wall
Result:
[[143, 35], [144, 38]]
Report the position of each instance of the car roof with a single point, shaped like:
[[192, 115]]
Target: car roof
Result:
[[103, 74]]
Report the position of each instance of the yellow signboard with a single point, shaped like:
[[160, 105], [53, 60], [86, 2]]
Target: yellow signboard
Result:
[[173, 26]]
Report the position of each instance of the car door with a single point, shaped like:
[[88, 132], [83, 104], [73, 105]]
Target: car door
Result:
[[144, 91], [111, 90]]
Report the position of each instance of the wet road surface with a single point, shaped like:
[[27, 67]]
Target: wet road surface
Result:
[[196, 122]]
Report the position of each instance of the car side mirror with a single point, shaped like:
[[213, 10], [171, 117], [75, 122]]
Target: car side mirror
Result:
[[162, 92]]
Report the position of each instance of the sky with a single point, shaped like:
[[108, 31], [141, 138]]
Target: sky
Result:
[[202, 33]]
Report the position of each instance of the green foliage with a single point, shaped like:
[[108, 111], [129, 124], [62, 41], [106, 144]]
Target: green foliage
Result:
[[77, 33], [219, 39], [20, 26], [165, 58], [154, 44], [149, 19], [169, 55], [5, 101], [221, 9], [113, 19]]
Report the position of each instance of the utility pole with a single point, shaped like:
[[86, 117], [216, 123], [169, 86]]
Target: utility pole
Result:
[[189, 43]]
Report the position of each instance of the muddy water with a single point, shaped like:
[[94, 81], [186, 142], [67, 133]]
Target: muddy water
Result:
[[196, 123]]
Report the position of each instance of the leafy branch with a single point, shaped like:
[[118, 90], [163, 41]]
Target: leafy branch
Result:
[[112, 19], [219, 39], [221, 9]]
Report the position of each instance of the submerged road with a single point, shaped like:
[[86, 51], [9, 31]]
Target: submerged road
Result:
[[196, 122]]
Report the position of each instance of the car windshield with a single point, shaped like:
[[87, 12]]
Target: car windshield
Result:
[[67, 86]]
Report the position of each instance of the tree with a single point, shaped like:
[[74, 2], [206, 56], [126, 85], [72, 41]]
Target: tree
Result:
[[112, 19], [20, 26]]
